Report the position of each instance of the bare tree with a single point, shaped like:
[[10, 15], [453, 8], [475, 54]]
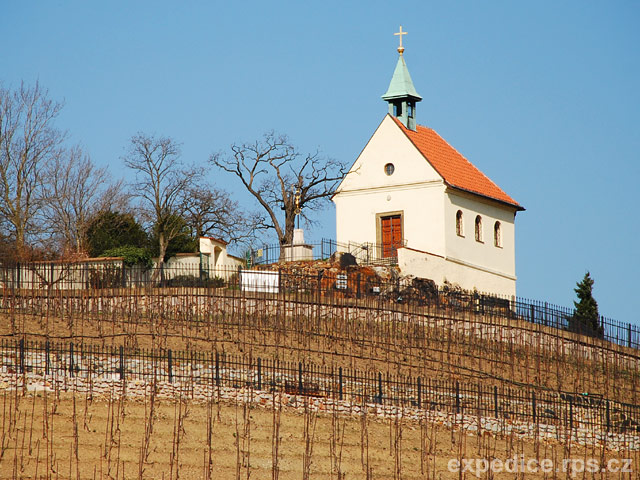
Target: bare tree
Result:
[[274, 173], [28, 142], [212, 212], [75, 192], [161, 180]]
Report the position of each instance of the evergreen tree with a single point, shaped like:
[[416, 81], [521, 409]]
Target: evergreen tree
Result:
[[586, 318], [111, 230]]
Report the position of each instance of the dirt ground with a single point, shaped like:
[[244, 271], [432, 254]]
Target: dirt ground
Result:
[[76, 437]]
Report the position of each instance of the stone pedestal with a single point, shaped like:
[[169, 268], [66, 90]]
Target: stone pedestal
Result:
[[298, 250]]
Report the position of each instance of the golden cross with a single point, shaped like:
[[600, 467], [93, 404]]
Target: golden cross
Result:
[[400, 34]]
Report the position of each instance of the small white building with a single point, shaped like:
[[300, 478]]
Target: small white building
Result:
[[215, 258], [212, 260], [416, 198]]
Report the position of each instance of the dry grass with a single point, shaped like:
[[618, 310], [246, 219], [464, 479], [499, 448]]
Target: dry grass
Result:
[[74, 437]]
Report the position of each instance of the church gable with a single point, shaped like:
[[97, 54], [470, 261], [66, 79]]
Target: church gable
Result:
[[388, 160]]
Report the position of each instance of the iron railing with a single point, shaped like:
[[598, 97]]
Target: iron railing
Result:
[[363, 253]]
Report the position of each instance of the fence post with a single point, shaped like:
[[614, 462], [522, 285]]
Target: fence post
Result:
[[570, 413], [319, 285], [380, 387], [358, 285], [46, 357], [71, 359], [340, 380], [121, 363], [170, 366], [21, 355], [533, 405], [217, 370], [495, 400], [259, 374], [629, 332], [124, 275], [533, 313], [300, 386], [457, 397], [419, 393], [608, 416]]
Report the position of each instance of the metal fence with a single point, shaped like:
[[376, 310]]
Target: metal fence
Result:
[[566, 410], [364, 253]]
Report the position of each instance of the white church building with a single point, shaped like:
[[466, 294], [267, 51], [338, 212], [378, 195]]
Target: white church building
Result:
[[419, 200]]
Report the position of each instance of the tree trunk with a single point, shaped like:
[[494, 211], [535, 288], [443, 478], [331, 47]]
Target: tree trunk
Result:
[[287, 234], [21, 253], [162, 244], [289, 226]]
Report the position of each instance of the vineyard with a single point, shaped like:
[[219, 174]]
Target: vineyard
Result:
[[327, 369]]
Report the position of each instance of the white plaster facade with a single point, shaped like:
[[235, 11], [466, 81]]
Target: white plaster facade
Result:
[[428, 205], [216, 259]]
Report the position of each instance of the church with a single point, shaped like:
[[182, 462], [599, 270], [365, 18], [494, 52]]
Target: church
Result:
[[416, 200]]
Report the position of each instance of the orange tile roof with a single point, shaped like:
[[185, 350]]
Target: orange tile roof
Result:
[[457, 171]]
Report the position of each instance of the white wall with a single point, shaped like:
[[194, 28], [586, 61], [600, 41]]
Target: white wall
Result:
[[467, 249], [439, 269], [415, 188], [422, 210], [220, 263]]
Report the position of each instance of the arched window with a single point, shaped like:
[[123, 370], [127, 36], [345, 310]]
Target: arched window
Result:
[[459, 225], [497, 235], [478, 228]]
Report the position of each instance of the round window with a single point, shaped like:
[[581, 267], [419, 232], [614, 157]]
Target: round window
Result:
[[389, 168]]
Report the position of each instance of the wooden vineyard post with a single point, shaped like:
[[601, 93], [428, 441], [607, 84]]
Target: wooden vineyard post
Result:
[[121, 363], [259, 374], [217, 370], [300, 386]]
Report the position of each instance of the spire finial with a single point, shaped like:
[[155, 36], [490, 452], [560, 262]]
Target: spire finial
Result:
[[400, 34]]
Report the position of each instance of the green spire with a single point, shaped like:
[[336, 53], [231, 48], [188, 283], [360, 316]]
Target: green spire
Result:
[[401, 85], [401, 94]]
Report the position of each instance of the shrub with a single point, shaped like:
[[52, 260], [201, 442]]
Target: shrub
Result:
[[131, 256]]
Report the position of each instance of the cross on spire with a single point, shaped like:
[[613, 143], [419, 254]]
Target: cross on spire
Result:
[[400, 34]]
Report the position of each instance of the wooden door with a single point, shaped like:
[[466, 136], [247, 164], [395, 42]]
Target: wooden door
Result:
[[391, 235]]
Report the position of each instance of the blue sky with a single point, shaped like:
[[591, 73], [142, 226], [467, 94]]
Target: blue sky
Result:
[[543, 97]]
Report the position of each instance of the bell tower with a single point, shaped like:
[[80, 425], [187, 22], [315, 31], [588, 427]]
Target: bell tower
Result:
[[401, 94]]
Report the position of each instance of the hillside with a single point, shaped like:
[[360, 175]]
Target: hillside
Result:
[[437, 382]]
